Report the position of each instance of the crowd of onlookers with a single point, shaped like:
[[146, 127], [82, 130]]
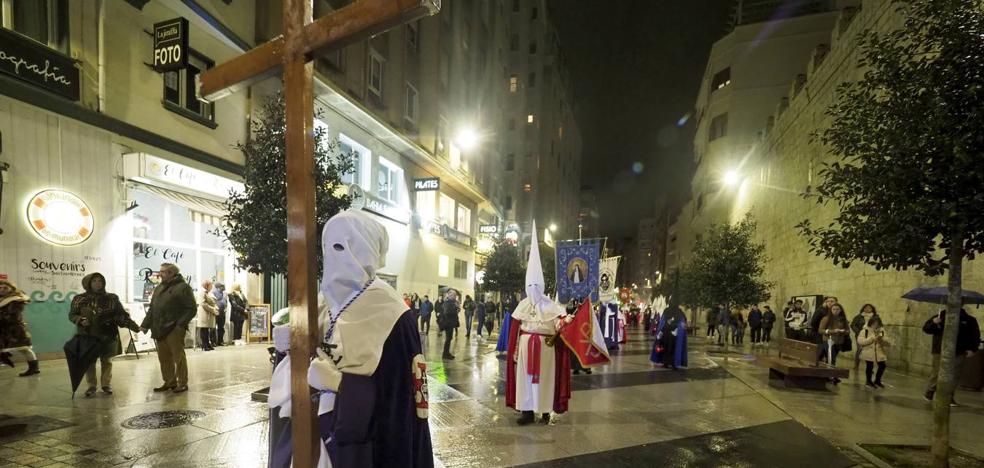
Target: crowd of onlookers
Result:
[[447, 309], [830, 328]]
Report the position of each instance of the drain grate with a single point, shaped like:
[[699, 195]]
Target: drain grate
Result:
[[163, 419]]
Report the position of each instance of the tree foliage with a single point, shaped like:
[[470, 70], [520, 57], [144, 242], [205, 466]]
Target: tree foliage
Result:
[[908, 138], [726, 268], [678, 288], [548, 260], [908, 182], [256, 225], [504, 271]]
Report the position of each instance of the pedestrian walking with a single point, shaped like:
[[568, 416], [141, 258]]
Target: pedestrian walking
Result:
[[207, 312], [221, 304], [426, 307], [415, 306], [469, 306], [968, 342], [736, 326], [439, 310], [723, 324], [172, 306], [872, 344], [448, 321], [238, 314], [98, 313], [755, 324], [835, 335], [479, 316], [712, 321], [490, 316], [14, 337], [768, 320], [857, 324]]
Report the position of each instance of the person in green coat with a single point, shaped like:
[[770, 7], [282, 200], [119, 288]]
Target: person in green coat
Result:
[[99, 313], [172, 307]]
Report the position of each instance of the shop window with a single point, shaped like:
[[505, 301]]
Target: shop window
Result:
[[361, 158], [375, 81], [410, 106], [180, 91], [719, 127], [145, 224], [446, 210], [388, 181], [460, 269], [464, 220], [45, 21], [443, 266]]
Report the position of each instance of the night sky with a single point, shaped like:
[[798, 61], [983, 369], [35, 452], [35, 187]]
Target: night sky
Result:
[[636, 66]]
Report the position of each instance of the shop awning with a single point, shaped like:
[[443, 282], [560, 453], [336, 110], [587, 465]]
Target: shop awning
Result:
[[202, 210]]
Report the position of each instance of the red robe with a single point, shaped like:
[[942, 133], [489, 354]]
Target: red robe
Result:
[[562, 386]]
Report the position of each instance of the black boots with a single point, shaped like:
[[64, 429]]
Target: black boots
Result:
[[526, 418], [546, 418], [5, 359], [32, 369]]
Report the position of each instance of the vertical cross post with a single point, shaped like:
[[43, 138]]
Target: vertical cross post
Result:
[[301, 229]]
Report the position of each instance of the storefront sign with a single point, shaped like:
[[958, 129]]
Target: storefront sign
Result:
[[59, 217], [488, 229], [34, 63], [369, 202], [429, 184], [187, 177], [171, 45]]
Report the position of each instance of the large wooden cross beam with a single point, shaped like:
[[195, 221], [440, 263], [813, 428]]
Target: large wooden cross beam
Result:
[[292, 53]]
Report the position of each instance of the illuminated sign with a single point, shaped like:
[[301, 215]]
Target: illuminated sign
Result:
[[60, 217], [488, 229], [171, 45], [179, 175], [427, 185]]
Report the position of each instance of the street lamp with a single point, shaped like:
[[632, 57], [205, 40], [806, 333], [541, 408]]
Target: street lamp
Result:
[[732, 178], [467, 138], [553, 227]]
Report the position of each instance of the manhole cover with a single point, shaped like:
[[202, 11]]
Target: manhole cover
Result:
[[163, 419]]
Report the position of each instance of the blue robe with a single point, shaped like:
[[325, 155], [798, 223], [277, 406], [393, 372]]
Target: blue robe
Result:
[[503, 344], [374, 422], [674, 352]]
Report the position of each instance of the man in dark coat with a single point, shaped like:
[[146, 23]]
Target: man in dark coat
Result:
[[172, 306], [222, 303], [238, 315], [99, 313], [449, 321], [426, 308], [768, 320], [968, 342], [755, 323]]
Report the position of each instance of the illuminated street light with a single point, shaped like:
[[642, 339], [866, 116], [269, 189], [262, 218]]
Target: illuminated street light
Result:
[[467, 138], [732, 178], [553, 227]]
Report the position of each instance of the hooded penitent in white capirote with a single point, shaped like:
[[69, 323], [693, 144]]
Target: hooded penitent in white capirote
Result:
[[540, 318]]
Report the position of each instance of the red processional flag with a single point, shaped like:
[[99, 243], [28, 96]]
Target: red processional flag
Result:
[[584, 337]]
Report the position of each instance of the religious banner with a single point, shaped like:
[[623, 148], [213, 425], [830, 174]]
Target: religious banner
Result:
[[606, 279], [583, 336], [577, 270]]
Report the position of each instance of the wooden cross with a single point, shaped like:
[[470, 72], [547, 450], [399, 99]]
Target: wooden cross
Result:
[[292, 53]]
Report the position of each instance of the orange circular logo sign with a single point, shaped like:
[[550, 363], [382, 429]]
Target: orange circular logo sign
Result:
[[60, 217]]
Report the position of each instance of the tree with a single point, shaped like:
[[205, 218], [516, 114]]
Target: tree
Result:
[[726, 268], [504, 271], [908, 181], [677, 287], [256, 225]]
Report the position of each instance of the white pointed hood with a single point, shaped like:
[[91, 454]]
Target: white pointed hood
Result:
[[354, 247], [535, 284]]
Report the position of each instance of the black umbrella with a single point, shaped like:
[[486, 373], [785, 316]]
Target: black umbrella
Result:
[[81, 352], [939, 295]]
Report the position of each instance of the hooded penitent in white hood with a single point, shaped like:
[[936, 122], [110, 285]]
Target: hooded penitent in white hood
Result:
[[354, 248], [536, 305]]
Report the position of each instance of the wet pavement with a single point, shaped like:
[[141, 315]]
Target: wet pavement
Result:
[[719, 412]]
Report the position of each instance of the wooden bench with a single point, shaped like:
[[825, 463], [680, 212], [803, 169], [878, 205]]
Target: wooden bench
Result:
[[798, 366]]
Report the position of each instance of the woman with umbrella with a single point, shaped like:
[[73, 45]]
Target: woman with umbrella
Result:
[[98, 314]]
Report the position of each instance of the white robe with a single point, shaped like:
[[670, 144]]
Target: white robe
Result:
[[536, 397]]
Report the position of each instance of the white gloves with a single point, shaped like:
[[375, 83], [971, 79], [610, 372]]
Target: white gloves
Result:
[[281, 338], [323, 374]]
